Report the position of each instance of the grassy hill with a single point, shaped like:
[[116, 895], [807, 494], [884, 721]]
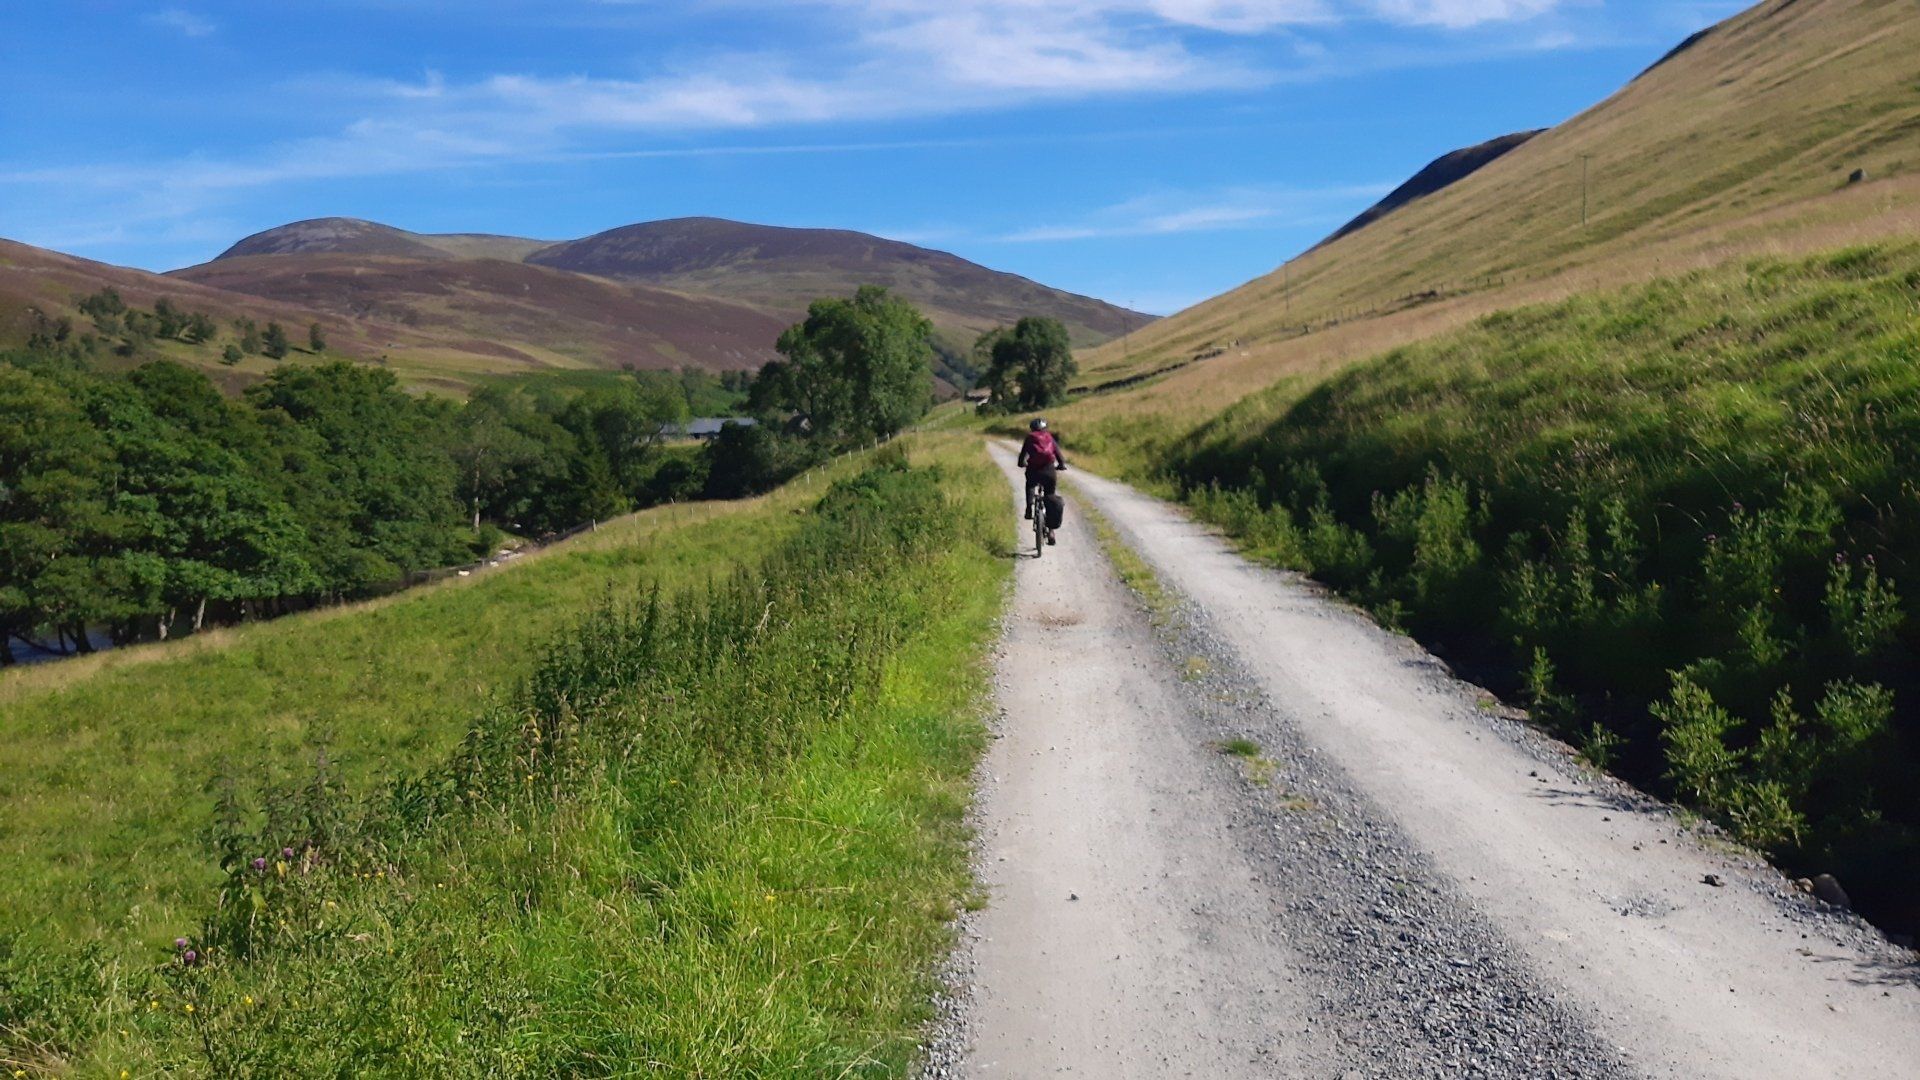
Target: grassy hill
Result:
[[1740, 144]]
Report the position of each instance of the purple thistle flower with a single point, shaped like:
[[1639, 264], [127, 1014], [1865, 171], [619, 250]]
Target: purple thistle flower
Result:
[[189, 957], [286, 853], [259, 864], [180, 943]]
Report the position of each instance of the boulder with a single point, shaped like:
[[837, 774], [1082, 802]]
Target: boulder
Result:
[[1827, 887]]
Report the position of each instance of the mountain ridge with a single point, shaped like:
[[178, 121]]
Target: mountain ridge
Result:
[[487, 287]]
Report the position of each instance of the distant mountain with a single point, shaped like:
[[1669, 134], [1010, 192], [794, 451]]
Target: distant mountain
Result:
[[352, 236], [784, 269], [1443, 172], [748, 278]]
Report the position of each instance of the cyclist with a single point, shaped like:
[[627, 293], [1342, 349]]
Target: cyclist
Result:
[[1041, 456]]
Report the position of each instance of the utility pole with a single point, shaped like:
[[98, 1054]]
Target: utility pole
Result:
[[1286, 276], [1584, 158], [1126, 331]]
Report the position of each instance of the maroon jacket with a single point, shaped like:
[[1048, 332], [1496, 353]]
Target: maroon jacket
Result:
[[1041, 451]]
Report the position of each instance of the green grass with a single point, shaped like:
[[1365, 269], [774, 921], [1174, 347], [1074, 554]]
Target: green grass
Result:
[[723, 839], [1676, 519], [107, 762]]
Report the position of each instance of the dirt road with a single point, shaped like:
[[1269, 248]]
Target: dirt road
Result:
[[1389, 879]]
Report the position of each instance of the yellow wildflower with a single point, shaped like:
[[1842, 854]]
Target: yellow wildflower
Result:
[[280, 868], [248, 1000], [189, 1008], [152, 1005]]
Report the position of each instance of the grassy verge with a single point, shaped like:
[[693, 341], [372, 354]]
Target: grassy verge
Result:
[[1674, 519], [106, 762], [715, 833]]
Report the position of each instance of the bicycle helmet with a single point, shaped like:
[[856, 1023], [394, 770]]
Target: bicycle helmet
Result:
[[1037, 425]]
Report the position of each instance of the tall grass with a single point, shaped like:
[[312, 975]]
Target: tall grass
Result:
[[106, 761], [715, 833], [1676, 519]]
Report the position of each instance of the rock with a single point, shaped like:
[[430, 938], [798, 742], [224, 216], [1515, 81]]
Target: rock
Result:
[[1713, 880], [1857, 176], [1827, 888], [1805, 885]]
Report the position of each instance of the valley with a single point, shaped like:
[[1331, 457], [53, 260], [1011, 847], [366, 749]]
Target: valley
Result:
[[1482, 646]]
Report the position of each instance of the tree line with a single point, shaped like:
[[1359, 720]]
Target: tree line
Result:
[[145, 503]]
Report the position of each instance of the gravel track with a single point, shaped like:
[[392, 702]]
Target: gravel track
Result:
[[1399, 882]]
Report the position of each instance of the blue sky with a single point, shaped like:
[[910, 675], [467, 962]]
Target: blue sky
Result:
[[1150, 152]]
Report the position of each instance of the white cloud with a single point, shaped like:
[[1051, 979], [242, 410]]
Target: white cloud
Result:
[[183, 21], [1460, 13], [1230, 208], [850, 61]]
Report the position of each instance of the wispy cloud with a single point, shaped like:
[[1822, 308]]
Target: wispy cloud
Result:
[[850, 61], [183, 21], [1231, 208]]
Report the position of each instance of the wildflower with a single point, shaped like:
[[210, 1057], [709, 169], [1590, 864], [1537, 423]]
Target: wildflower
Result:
[[260, 864], [189, 1008], [248, 1000], [180, 943], [286, 853], [189, 957], [124, 1074], [152, 1005], [331, 904], [769, 898], [280, 868]]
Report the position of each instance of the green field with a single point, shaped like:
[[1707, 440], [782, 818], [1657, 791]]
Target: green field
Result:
[[740, 863], [1677, 519]]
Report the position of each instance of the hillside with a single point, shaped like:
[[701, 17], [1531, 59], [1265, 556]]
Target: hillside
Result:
[[750, 276], [38, 287], [515, 314], [1444, 172], [1741, 143]]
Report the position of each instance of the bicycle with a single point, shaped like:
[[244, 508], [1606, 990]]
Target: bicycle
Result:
[[1037, 510]]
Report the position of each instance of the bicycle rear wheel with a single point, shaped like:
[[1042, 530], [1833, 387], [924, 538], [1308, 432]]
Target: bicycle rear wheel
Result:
[[1037, 496]]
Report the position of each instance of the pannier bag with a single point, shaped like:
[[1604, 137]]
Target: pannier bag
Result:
[[1056, 511]]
